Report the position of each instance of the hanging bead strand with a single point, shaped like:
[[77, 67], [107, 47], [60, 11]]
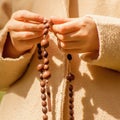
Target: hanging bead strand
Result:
[[70, 77], [44, 75]]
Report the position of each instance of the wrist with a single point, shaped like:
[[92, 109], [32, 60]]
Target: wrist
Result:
[[9, 50]]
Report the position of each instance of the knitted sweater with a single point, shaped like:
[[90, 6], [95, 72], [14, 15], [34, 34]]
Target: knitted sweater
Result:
[[97, 81]]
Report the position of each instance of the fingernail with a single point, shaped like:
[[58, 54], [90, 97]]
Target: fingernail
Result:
[[45, 21], [62, 44], [45, 32], [47, 25], [41, 18]]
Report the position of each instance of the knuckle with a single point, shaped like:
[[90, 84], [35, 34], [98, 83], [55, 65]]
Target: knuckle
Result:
[[85, 33], [63, 46], [62, 29], [25, 27], [39, 27], [87, 20], [26, 35], [61, 37], [19, 14], [10, 25]]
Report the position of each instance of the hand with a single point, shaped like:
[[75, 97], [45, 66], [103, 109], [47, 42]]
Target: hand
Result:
[[76, 34], [26, 29]]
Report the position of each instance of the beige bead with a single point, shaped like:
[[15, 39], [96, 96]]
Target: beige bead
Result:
[[45, 43], [40, 67], [46, 74]]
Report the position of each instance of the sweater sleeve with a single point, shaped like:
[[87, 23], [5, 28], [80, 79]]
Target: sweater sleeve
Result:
[[109, 43], [10, 69]]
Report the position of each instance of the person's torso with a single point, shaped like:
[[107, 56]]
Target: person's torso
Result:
[[96, 95]]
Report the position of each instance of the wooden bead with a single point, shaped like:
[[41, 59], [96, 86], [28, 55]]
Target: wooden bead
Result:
[[42, 90], [71, 100], [41, 76], [71, 118], [70, 87], [40, 67], [39, 51], [45, 21], [69, 56], [70, 77], [44, 110], [46, 31], [45, 117], [46, 67], [39, 45], [45, 53], [47, 81], [70, 93], [47, 25], [43, 97], [46, 61], [46, 74], [42, 83], [40, 56], [71, 106], [44, 103], [44, 43], [71, 112]]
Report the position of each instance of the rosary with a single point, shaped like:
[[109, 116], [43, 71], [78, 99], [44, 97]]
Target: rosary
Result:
[[44, 75]]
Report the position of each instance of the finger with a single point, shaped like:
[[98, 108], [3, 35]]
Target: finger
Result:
[[22, 26], [57, 20], [61, 47], [27, 16], [32, 41], [71, 45], [67, 27], [74, 36], [27, 45], [26, 35]]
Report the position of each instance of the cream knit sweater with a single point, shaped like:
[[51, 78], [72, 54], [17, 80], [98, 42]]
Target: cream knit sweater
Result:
[[97, 81]]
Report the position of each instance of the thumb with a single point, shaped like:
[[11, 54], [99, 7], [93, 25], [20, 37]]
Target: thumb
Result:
[[58, 20]]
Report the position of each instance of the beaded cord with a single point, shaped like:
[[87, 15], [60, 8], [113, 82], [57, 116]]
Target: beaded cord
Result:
[[70, 77], [45, 75]]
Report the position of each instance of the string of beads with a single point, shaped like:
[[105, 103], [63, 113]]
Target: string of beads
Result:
[[70, 77], [45, 75]]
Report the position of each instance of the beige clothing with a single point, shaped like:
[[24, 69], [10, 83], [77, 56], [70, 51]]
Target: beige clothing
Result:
[[97, 82]]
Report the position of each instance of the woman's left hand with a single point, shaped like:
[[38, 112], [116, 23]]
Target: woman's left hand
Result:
[[76, 34]]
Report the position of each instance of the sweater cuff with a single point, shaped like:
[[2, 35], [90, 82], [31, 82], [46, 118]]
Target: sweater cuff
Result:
[[109, 43], [12, 69]]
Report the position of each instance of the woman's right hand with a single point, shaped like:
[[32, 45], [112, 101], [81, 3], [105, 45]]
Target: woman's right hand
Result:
[[26, 29]]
